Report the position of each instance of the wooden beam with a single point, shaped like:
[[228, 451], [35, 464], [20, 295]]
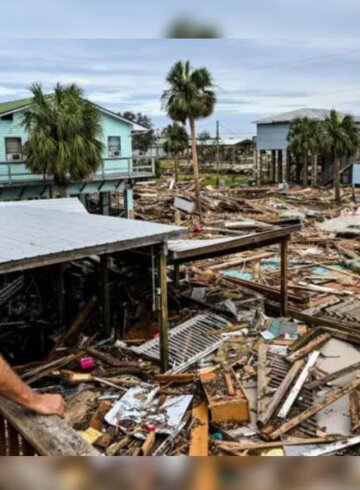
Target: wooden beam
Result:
[[248, 445], [294, 393], [295, 369], [284, 278], [317, 407], [314, 344], [105, 290], [355, 411], [262, 381], [199, 437], [163, 306], [49, 436], [332, 376]]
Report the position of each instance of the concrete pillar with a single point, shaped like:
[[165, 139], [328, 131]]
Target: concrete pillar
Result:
[[105, 203], [129, 203]]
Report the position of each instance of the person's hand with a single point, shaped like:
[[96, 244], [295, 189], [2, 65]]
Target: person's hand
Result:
[[48, 405]]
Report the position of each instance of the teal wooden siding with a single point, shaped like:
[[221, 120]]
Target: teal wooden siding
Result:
[[111, 126]]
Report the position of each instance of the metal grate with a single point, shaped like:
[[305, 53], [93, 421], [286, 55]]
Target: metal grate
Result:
[[188, 342]]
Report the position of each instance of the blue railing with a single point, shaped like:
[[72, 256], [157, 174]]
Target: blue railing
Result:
[[113, 168]]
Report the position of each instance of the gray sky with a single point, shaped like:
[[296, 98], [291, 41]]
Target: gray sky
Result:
[[282, 56]]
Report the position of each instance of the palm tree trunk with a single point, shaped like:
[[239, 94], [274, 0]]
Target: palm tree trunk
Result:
[[176, 160], [336, 178], [195, 163], [305, 171]]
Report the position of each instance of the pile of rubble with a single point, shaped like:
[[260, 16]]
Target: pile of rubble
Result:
[[243, 380]]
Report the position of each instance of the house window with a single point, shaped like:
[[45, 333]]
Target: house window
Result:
[[114, 146], [13, 149]]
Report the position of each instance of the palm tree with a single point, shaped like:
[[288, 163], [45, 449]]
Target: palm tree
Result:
[[176, 143], [64, 131], [303, 141], [340, 141], [190, 96]]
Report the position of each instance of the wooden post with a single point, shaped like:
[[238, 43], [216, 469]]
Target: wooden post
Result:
[[60, 291], [163, 309], [105, 203], [128, 203], [284, 169], [105, 293], [284, 268]]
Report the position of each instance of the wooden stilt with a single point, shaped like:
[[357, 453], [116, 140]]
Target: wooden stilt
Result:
[[163, 309], [105, 293], [284, 268]]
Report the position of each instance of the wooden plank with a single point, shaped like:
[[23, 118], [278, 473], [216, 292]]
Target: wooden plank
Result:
[[248, 445], [294, 393], [283, 277], [314, 344], [175, 378], [333, 448], [355, 411], [262, 381], [163, 313], [333, 376], [49, 436], [281, 392], [328, 400], [199, 437]]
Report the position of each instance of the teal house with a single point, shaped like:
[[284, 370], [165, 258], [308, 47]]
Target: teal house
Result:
[[118, 171]]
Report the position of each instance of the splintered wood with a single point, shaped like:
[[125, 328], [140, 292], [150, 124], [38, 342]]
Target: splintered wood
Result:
[[226, 398]]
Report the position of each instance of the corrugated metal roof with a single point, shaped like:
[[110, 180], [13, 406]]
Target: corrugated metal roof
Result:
[[31, 236], [68, 204], [317, 114]]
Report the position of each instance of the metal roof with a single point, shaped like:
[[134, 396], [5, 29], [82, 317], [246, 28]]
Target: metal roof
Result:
[[190, 250], [317, 114], [33, 237], [68, 204]]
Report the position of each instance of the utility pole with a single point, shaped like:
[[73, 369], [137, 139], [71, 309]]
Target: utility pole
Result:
[[217, 152]]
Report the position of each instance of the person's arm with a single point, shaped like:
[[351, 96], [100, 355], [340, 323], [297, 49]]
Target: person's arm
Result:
[[13, 388]]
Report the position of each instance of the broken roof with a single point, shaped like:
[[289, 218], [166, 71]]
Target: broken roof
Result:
[[36, 236], [317, 114]]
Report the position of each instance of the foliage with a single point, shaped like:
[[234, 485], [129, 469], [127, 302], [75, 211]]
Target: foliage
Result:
[[177, 139], [64, 134], [141, 141], [339, 135], [190, 94]]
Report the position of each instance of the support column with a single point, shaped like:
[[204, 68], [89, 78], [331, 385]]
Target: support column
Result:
[[129, 203], [273, 166], [105, 203], [284, 278], [105, 289], [284, 166], [60, 291], [163, 308]]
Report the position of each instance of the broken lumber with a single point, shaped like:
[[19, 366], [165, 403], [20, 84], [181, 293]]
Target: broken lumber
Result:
[[262, 381], [199, 437], [328, 400], [312, 345], [355, 411], [225, 406], [333, 376], [295, 369], [175, 378], [333, 448], [248, 445], [294, 393]]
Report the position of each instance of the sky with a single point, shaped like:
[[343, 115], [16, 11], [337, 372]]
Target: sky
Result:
[[276, 56]]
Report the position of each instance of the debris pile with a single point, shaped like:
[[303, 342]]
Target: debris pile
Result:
[[243, 380]]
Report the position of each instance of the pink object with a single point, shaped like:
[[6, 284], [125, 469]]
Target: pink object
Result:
[[198, 229], [87, 363]]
